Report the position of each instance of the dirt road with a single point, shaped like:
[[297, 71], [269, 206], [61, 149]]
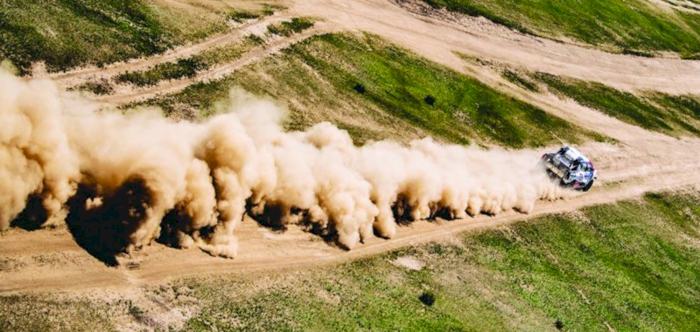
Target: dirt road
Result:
[[642, 161], [439, 38], [50, 260]]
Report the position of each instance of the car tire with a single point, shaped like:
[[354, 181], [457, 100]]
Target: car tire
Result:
[[588, 186]]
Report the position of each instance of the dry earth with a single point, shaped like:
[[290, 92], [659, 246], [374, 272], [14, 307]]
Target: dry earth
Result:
[[642, 161]]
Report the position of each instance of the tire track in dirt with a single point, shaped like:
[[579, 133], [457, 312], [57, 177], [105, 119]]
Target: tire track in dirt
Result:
[[256, 54], [264, 251], [74, 77]]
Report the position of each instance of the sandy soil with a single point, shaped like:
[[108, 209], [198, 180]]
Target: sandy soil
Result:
[[50, 260]]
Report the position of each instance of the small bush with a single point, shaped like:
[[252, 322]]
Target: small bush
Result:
[[269, 10], [428, 298], [164, 71], [255, 39], [296, 25], [430, 100], [360, 88], [100, 87], [558, 324], [242, 16], [134, 310]]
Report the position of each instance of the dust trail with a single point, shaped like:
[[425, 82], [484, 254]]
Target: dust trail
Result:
[[127, 180]]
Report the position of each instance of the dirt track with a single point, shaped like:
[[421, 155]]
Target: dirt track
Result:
[[396, 21], [643, 161]]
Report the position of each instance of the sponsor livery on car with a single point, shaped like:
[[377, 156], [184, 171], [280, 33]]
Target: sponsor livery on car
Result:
[[571, 167]]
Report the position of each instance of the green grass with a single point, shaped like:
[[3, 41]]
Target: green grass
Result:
[[634, 26], [631, 265], [296, 25], [317, 79], [628, 266], [48, 313], [664, 113], [187, 67], [69, 33], [241, 16], [99, 87], [517, 79], [629, 261], [686, 104]]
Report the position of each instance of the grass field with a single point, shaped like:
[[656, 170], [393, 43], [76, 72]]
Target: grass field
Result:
[[660, 112], [628, 26], [630, 266], [377, 90], [65, 34], [189, 67]]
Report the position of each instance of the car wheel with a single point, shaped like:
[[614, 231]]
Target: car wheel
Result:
[[588, 186]]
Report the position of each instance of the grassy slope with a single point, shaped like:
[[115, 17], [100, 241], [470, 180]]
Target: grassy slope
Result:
[[189, 67], [67, 33], [320, 77], [659, 112], [625, 24], [632, 266], [70, 33]]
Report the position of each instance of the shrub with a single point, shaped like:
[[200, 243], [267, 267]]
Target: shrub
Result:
[[430, 100], [242, 16], [164, 71], [428, 298], [99, 87], [287, 29], [255, 39], [359, 88], [558, 324]]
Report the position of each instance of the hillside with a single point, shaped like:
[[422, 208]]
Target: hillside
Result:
[[283, 165]]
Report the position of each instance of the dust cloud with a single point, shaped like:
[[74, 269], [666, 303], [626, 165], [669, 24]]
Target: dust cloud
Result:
[[127, 180]]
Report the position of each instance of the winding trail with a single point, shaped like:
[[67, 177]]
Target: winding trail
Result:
[[253, 26], [437, 40]]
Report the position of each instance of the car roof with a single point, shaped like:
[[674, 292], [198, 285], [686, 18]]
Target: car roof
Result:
[[573, 154]]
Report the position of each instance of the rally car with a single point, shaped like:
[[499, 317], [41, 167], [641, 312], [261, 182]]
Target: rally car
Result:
[[571, 167]]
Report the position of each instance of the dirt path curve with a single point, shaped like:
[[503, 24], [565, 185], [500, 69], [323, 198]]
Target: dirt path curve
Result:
[[435, 39], [438, 39], [74, 77], [129, 95]]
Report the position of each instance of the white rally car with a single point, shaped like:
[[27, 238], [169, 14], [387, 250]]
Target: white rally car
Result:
[[571, 167]]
